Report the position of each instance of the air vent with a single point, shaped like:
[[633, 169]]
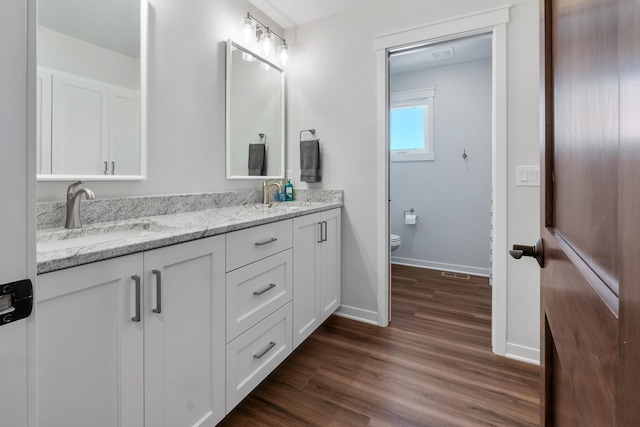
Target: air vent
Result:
[[442, 53], [455, 275]]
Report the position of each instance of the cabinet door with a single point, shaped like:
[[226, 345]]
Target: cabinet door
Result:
[[330, 274], [90, 351], [306, 276], [185, 334], [124, 132], [80, 126]]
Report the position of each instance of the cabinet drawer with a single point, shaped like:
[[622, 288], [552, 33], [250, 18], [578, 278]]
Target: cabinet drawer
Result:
[[257, 352], [257, 290], [253, 244]]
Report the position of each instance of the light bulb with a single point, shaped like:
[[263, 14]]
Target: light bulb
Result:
[[248, 30], [266, 41], [284, 55]]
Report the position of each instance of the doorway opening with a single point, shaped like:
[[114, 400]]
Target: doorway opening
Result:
[[440, 130], [493, 23]]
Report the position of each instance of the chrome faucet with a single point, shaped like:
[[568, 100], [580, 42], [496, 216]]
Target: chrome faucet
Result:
[[73, 204], [267, 185]]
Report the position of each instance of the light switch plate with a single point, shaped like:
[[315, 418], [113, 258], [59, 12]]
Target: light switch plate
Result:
[[528, 176]]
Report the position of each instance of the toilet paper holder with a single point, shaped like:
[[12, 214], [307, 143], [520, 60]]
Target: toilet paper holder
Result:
[[411, 211]]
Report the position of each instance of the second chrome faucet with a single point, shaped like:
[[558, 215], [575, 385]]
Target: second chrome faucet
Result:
[[73, 204], [266, 185]]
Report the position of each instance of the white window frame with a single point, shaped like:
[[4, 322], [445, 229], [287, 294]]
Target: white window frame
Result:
[[414, 98]]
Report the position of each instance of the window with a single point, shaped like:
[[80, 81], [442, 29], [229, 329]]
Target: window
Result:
[[411, 125]]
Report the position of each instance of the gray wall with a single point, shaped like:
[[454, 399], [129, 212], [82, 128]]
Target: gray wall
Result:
[[452, 196]]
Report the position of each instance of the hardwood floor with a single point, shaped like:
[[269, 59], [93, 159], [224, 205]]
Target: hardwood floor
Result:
[[432, 366]]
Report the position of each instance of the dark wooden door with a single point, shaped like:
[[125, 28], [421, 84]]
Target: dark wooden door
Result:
[[590, 311]]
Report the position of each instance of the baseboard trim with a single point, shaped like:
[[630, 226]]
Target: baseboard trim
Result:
[[431, 265], [523, 354], [353, 313]]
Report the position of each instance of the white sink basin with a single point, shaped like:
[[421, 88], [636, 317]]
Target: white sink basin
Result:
[[57, 239]]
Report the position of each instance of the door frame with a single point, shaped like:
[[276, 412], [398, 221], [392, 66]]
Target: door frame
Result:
[[486, 21], [18, 219]]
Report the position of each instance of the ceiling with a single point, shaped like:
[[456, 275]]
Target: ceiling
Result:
[[430, 56], [289, 13], [111, 24]]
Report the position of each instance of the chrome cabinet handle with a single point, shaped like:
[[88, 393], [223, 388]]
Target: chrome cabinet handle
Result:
[[113, 168], [265, 351], [266, 242], [320, 225], [324, 223], [268, 288], [106, 167], [136, 279], [158, 274]]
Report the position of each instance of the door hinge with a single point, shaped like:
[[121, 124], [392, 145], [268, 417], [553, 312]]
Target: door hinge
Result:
[[16, 301]]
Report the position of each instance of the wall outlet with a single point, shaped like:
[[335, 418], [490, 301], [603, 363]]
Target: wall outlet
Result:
[[528, 176], [290, 174]]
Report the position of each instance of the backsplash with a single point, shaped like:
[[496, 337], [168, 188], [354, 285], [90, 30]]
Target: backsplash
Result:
[[52, 214]]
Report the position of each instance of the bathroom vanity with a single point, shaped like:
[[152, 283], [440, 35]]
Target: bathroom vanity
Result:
[[174, 324]]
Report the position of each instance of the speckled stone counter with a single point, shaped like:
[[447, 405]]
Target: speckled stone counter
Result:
[[140, 224]]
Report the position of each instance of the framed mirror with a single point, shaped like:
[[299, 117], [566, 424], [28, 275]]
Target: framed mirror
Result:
[[91, 89], [255, 115]]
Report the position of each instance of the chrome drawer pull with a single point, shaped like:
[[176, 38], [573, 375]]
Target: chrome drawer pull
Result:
[[266, 242], [268, 288], [320, 228], [265, 351], [136, 318], [158, 274]]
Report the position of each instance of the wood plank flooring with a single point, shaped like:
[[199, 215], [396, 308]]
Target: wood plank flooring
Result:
[[432, 366]]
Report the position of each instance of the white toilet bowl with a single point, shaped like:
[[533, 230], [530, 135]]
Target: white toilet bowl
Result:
[[394, 242]]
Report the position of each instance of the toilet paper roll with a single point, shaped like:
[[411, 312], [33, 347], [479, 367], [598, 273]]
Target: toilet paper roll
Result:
[[410, 219]]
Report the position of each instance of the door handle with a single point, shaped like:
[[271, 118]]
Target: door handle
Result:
[[136, 279], [536, 251], [158, 275]]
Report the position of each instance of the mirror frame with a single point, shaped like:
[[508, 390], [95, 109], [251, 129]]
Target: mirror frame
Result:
[[144, 37], [230, 45]]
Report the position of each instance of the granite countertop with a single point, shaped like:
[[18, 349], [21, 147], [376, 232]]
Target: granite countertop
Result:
[[100, 241]]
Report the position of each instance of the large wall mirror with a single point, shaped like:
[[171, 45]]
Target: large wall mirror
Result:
[[255, 115], [91, 89]]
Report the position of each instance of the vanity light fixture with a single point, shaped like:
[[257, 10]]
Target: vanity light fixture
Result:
[[254, 31]]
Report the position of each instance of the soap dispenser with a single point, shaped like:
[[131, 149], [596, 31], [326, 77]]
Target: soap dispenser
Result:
[[288, 191]]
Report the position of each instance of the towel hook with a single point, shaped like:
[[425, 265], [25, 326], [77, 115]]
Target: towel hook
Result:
[[311, 131], [464, 154]]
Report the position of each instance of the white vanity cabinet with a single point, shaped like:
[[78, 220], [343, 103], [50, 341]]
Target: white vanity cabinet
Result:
[[90, 351], [103, 362], [259, 308], [316, 271], [178, 336]]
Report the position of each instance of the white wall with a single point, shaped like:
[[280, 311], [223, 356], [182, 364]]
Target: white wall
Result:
[[332, 87], [451, 195], [186, 114]]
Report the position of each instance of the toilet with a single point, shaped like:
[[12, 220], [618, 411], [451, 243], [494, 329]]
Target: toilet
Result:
[[394, 241]]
